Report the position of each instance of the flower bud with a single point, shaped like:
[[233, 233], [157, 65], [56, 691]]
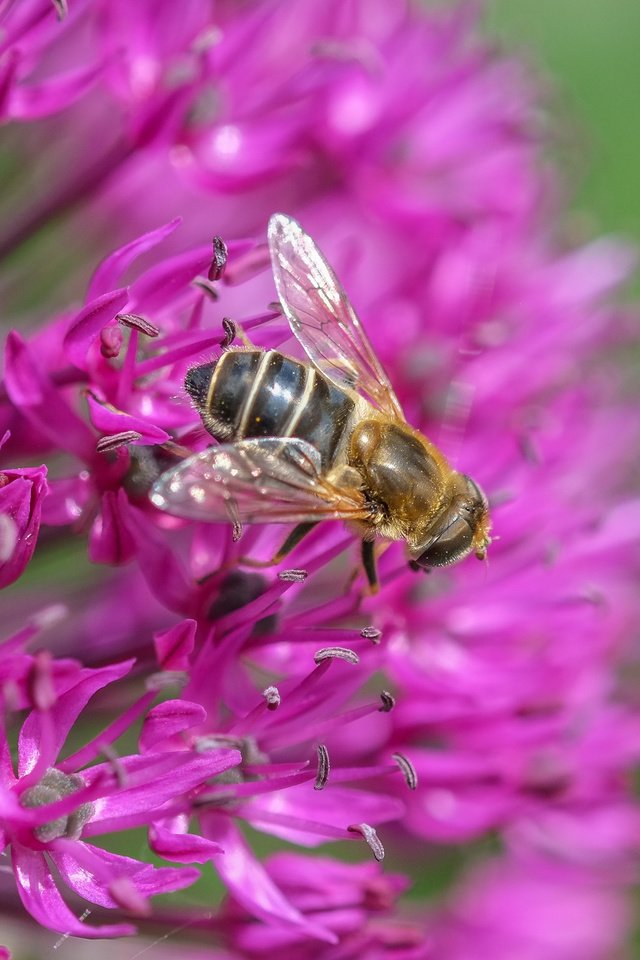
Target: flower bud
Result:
[[21, 496]]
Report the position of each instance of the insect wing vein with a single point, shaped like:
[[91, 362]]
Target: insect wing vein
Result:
[[266, 480], [322, 318]]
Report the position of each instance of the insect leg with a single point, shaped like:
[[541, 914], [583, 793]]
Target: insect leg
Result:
[[297, 534], [369, 564]]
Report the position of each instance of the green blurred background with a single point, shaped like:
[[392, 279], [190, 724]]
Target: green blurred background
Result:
[[588, 52]]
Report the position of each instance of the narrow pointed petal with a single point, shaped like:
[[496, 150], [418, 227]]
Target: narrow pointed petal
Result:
[[41, 898], [85, 328], [111, 270], [250, 884], [63, 714], [88, 870]]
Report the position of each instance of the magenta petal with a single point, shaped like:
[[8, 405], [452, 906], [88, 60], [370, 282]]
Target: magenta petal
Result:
[[86, 325], [335, 807], [182, 847], [35, 396], [249, 882], [34, 102], [169, 718], [89, 870], [175, 645], [110, 538], [41, 898], [63, 714], [160, 283], [154, 779], [108, 420], [111, 270], [66, 499], [21, 497]]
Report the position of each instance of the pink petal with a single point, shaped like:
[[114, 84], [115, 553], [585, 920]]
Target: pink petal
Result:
[[111, 270], [182, 847], [110, 539], [153, 780], [41, 898], [89, 871], [175, 645], [108, 420], [66, 500], [44, 99], [169, 718], [63, 714], [335, 807], [35, 396], [250, 884], [85, 328], [21, 500], [161, 283]]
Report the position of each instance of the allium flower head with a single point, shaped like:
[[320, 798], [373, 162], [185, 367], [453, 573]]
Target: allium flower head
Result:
[[479, 701], [49, 804]]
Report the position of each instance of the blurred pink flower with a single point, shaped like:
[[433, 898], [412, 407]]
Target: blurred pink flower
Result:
[[49, 804], [22, 493], [413, 156]]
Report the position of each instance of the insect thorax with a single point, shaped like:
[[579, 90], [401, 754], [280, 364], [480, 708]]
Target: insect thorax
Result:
[[399, 472]]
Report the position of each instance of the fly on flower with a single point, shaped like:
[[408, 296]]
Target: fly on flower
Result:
[[302, 442]]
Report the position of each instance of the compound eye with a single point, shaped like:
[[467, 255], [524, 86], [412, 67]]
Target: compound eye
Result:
[[475, 494], [453, 543]]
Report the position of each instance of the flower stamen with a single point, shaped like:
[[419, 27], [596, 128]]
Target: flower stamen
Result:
[[134, 322], [408, 770], [324, 767], [338, 653], [371, 838]]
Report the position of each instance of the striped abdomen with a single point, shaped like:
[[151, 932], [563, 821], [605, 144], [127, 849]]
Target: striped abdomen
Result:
[[257, 393]]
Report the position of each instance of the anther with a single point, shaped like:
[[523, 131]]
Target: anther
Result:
[[408, 770], [272, 696], [293, 576], [134, 322], [388, 701], [116, 440], [371, 837], [371, 633], [338, 653], [230, 332], [323, 768], [219, 260], [275, 306], [236, 531], [54, 786]]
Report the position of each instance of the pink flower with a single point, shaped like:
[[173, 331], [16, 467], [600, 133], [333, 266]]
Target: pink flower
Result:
[[353, 902], [287, 784], [413, 156], [21, 496], [48, 804]]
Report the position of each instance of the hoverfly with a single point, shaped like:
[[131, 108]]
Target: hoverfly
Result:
[[324, 439]]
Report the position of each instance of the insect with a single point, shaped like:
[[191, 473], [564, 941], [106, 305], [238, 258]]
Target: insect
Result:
[[325, 439]]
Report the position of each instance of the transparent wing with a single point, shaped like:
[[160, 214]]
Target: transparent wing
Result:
[[321, 317], [267, 480]]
